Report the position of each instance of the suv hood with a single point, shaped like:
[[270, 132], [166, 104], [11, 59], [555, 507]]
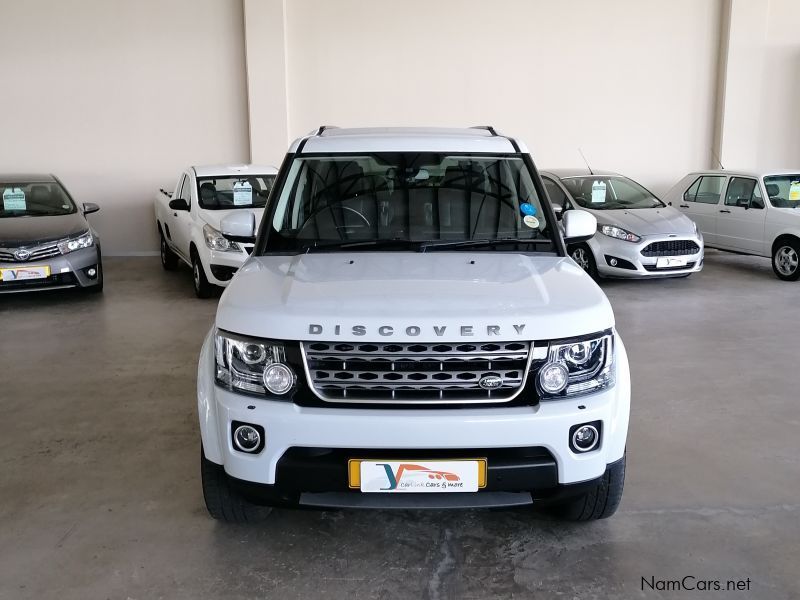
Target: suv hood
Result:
[[447, 296], [647, 221], [29, 231]]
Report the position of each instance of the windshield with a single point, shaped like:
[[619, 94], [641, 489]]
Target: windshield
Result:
[[609, 193], [407, 201], [783, 190], [222, 193], [35, 199]]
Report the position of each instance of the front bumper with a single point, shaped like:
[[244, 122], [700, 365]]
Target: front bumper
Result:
[[631, 263], [66, 271], [220, 267], [306, 449]]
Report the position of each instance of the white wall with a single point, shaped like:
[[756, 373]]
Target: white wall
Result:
[[117, 97], [632, 83]]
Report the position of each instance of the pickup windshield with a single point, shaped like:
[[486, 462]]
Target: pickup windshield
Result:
[[783, 190], [406, 201], [34, 199], [223, 193], [609, 193]]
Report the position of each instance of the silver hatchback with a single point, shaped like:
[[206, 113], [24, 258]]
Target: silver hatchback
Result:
[[637, 234]]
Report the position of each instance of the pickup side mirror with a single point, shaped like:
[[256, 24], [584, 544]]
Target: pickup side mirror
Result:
[[579, 226], [178, 204], [241, 224], [90, 207], [559, 210]]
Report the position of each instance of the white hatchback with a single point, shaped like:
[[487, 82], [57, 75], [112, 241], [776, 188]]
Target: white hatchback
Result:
[[746, 212]]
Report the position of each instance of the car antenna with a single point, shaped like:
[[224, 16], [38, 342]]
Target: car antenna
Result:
[[716, 158], [586, 161]]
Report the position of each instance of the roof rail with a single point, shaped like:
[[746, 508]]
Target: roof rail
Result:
[[323, 128], [488, 128]]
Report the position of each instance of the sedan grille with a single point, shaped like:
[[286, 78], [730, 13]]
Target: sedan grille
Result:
[[36, 252], [671, 248], [417, 372]]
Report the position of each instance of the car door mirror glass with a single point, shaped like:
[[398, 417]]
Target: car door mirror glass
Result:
[[178, 204]]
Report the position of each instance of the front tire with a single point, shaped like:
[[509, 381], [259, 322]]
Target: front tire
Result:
[[169, 260], [222, 501], [202, 288], [601, 501], [786, 259], [582, 255]]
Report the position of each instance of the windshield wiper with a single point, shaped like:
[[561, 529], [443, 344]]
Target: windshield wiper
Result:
[[484, 242], [403, 243]]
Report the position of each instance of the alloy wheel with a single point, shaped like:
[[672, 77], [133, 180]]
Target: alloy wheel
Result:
[[579, 256], [786, 260]]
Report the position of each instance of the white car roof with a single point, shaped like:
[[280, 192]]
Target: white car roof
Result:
[[406, 139], [746, 172], [233, 170]]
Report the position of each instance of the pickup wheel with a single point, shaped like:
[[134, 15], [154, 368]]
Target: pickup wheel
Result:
[[169, 260], [582, 254], [222, 501], [202, 288], [786, 259], [600, 502]]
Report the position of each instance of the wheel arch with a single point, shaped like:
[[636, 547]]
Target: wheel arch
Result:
[[783, 238]]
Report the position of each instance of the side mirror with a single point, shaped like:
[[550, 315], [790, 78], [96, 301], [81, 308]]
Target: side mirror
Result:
[[240, 224], [90, 207], [559, 210], [178, 204], [579, 226]]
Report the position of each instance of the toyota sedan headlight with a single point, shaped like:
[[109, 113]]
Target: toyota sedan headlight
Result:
[[85, 240], [216, 241], [251, 365], [619, 233], [577, 367]]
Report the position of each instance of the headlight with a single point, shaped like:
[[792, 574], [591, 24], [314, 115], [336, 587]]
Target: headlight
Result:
[[85, 240], [216, 241], [619, 233], [251, 365], [577, 367]]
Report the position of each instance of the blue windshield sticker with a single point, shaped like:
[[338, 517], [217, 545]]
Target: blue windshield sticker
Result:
[[527, 209], [14, 199]]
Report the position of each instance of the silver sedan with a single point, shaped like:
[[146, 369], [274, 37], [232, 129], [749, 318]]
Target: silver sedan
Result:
[[637, 234]]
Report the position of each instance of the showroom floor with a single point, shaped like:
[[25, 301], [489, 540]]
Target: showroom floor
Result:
[[100, 497]]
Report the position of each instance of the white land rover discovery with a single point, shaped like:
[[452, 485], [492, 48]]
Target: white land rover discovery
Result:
[[409, 332]]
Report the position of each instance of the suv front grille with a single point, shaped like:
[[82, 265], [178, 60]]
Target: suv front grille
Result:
[[671, 248], [411, 373]]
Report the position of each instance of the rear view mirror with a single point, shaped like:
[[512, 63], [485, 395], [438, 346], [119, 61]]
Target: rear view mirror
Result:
[[178, 204], [90, 207], [579, 226], [241, 224]]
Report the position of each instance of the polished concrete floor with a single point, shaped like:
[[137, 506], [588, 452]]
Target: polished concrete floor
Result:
[[100, 497]]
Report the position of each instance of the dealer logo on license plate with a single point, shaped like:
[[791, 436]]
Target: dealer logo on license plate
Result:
[[421, 476]]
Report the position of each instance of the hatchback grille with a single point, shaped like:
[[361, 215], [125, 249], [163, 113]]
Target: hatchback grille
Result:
[[671, 248], [410, 373]]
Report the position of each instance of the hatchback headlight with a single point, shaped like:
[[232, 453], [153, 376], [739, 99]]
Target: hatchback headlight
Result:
[[85, 240], [251, 365], [577, 367], [216, 241], [619, 233]]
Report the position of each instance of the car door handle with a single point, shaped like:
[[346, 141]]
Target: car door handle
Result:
[[683, 205], [725, 211]]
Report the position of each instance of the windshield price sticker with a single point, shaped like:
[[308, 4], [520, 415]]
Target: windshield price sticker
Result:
[[794, 191], [242, 194], [598, 192], [13, 199]]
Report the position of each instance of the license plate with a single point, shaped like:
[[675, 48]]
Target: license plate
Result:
[[670, 262], [417, 476], [23, 273]]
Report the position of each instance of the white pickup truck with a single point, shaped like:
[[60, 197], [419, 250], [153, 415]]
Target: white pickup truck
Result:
[[410, 332], [191, 220]]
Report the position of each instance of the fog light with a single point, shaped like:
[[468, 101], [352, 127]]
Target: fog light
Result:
[[585, 438], [246, 438], [613, 262], [278, 378], [91, 272], [553, 377]]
